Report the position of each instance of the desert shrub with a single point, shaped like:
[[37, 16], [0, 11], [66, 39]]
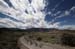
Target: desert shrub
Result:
[[68, 39], [39, 38], [30, 36], [53, 37]]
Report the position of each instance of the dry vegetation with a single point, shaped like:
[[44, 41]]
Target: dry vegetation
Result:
[[65, 37], [8, 38]]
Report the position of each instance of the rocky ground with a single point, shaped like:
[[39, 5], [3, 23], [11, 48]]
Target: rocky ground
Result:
[[25, 44], [9, 38]]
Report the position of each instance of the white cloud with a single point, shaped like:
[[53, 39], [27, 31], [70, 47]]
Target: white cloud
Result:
[[59, 15], [73, 8], [70, 27], [29, 14], [34, 12], [55, 25], [66, 13]]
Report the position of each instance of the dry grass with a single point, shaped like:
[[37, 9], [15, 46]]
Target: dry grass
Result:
[[8, 39]]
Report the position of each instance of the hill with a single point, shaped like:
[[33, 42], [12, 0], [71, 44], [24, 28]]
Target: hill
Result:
[[10, 36]]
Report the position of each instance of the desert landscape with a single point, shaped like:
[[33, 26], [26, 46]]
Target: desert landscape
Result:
[[37, 24], [37, 38]]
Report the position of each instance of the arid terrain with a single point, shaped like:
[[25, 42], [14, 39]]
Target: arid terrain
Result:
[[9, 37]]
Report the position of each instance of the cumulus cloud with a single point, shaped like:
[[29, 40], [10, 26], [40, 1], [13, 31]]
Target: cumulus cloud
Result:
[[54, 25], [29, 14], [69, 27]]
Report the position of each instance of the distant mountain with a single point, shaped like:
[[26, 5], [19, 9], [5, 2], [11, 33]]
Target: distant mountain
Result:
[[32, 29], [28, 30]]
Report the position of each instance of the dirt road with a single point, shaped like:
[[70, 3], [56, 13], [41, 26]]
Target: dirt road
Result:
[[23, 44]]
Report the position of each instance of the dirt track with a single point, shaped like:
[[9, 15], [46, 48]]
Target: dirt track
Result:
[[24, 45]]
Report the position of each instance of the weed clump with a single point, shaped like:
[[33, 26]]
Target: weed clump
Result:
[[39, 39]]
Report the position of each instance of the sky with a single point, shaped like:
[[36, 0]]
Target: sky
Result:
[[24, 14]]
